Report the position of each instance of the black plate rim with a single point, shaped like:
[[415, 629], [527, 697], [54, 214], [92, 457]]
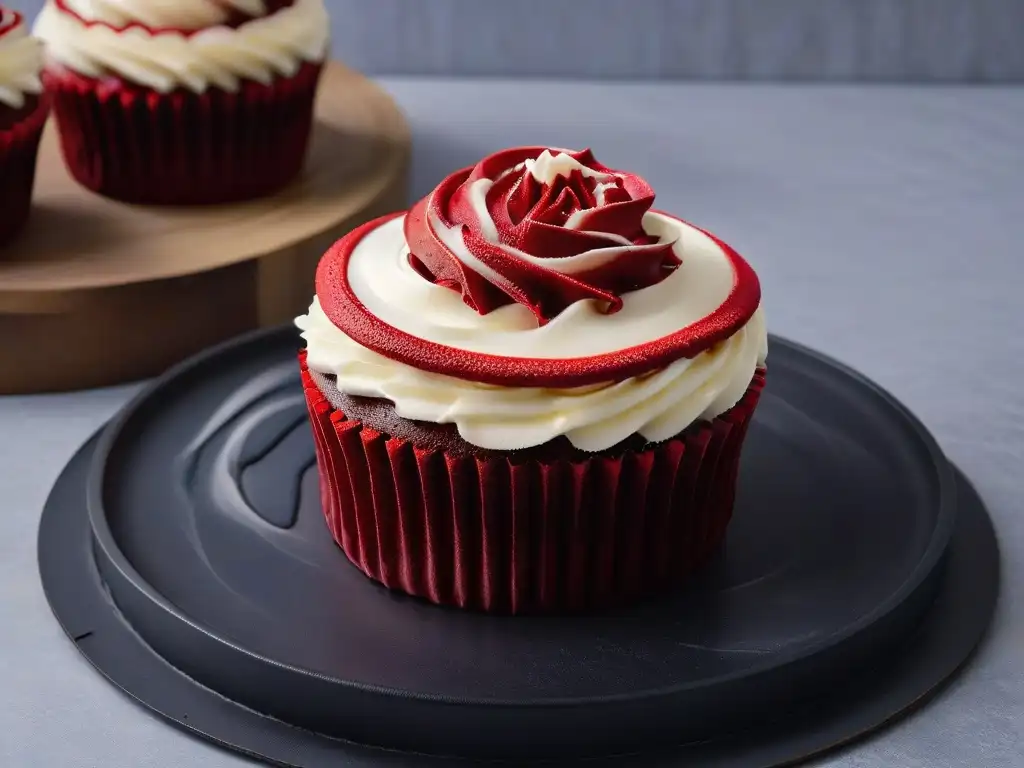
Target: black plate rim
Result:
[[924, 569], [59, 589]]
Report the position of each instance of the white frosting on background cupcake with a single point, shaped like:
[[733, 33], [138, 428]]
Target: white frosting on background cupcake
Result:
[[173, 14], [21, 59], [184, 43]]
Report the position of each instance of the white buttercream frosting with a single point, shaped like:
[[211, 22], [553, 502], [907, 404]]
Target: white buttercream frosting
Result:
[[658, 405], [21, 59], [211, 55]]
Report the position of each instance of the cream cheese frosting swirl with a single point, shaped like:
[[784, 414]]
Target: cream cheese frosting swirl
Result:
[[185, 43], [21, 59], [389, 284]]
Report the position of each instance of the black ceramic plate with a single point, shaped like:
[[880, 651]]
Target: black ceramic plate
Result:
[[206, 532]]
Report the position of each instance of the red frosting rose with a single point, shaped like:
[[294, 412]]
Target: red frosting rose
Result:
[[543, 228]]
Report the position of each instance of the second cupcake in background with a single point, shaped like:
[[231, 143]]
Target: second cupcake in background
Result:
[[184, 102], [23, 110]]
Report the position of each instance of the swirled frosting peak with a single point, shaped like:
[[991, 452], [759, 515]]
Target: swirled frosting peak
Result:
[[540, 227], [21, 59]]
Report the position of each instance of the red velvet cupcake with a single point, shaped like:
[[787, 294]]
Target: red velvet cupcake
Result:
[[23, 110], [530, 392], [184, 102]]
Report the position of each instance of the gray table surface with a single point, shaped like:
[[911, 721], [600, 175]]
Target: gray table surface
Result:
[[886, 224]]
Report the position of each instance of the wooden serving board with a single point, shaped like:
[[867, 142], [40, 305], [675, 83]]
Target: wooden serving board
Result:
[[96, 292]]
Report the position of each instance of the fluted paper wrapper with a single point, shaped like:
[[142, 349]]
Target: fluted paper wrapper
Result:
[[19, 148], [182, 148], [515, 535]]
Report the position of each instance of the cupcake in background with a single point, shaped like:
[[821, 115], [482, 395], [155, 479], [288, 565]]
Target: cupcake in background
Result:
[[184, 102], [23, 110], [530, 392]]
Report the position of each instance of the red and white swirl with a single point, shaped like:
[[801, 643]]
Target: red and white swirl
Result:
[[9, 20], [539, 227]]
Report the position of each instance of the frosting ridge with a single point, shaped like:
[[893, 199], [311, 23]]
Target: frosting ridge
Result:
[[21, 59], [191, 44], [593, 418]]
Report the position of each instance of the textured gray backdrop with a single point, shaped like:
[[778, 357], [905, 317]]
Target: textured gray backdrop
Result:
[[888, 40]]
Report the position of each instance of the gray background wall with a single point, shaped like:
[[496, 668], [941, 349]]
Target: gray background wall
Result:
[[887, 40]]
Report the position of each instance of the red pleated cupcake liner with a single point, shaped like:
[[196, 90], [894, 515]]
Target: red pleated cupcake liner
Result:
[[514, 535], [19, 148], [133, 144]]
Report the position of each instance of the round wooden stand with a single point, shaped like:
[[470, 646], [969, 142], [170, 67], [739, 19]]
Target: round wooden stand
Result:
[[96, 292]]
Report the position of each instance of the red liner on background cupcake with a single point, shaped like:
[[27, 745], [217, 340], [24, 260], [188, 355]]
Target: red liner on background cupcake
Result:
[[19, 147], [138, 145], [132, 144], [23, 111], [508, 534]]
